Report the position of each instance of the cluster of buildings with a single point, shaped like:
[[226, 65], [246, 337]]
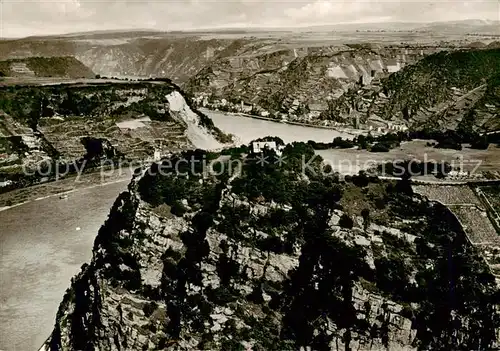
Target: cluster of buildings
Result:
[[380, 126], [390, 127], [227, 106]]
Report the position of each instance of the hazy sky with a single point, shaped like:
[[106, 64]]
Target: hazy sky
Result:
[[40, 17]]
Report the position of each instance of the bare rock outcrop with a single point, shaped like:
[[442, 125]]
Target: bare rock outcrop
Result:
[[192, 262]]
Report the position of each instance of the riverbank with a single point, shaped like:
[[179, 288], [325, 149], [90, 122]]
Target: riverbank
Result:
[[247, 128], [351, 131], [66, 185]]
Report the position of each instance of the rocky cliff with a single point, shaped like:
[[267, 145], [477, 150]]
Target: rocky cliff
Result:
[[263, 256]]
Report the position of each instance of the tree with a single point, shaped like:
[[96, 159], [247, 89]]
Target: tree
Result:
[[362, 142], [480, 143], [380, 147], [365, 213]]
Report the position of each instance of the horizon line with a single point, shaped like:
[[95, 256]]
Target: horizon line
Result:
[[243, 28]]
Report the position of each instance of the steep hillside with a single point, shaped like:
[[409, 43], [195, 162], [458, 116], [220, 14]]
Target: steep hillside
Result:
[[297, 82], [89, 123], [176, 57], [273, 258], [438, 92], [180, 55], [61, 67]]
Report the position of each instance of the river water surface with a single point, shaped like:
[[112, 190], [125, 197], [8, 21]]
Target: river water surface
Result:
[[247, 129], [44, 243]]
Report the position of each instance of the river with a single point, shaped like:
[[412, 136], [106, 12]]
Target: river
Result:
[[44, 243], [247, 129]]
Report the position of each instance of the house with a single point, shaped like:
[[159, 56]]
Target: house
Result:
[[396, 127], [393, 66], [246, 108], [259, 146]]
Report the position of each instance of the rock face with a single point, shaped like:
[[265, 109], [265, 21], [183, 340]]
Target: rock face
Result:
[[272, 258], [200, 136]]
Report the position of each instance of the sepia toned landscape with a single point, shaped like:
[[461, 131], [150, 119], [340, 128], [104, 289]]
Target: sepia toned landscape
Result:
[[274, 178]]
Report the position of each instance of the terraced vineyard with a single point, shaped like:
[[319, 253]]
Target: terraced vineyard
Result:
[[492, 193], [66, 67], [448, 195], [477, 225], [75, 123], [136, 143], [477, 211]]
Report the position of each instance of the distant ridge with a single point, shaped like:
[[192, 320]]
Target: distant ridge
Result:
[[473, 25]]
